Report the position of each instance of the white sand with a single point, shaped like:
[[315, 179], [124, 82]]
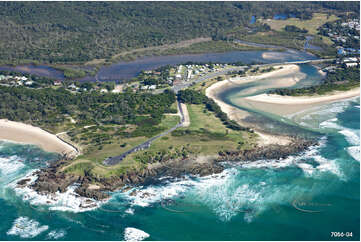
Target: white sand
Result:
[[284, 78], [281, 105], [290, 100], [24, 133]]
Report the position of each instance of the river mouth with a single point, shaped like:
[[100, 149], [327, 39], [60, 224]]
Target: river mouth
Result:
[[260, 116]]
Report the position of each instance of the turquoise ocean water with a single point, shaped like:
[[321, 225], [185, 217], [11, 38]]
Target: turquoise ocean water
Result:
[[303, 197]]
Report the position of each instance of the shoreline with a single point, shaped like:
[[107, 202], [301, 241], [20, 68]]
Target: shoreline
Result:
[[238, 115], [276, 104], [28, 134], [314, 99]]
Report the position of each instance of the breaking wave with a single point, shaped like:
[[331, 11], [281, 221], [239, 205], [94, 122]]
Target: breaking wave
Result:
[[67, 201], [25, 227], [133, 234]]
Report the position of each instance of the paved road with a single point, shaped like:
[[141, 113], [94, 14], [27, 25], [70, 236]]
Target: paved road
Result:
[[239, 68], [116, 159]]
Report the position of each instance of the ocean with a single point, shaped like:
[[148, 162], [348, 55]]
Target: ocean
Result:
[[309, 196]]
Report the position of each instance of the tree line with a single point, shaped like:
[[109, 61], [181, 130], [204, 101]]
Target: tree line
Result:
[[195, 97]]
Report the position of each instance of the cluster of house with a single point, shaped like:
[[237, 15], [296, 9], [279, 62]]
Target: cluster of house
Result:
[[75, 88], [350, 61], [347, 32], [149, 87], [188, 72], [15, 80], [352, 24]]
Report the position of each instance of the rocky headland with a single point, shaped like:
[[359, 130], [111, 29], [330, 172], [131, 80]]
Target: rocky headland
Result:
[[51, 179]]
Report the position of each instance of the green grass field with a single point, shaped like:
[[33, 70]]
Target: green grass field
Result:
[[311, 25], [278, 36], [93, 157]]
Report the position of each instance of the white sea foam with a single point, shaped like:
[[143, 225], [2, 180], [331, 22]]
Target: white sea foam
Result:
[[133, 234], [129, 211], [56, 234], [354, 151], [10, 165], [25, 227], [301, 160], [67, 201], [145, 196], [331, 124], [352, 136], [321, 116]]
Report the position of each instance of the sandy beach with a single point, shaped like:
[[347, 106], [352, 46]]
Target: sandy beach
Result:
[[24, 133], [290, 100], [287, 76], [285, 105]]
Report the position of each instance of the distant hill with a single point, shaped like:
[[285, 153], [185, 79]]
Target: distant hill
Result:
[[56, 32]]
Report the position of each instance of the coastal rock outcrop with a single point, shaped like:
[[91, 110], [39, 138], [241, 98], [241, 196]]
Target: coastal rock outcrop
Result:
[[52, 179]]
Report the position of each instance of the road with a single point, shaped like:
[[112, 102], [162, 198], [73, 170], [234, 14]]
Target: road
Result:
[[116, 159], [185, 85]]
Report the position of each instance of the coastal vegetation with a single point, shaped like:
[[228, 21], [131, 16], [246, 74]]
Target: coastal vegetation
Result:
[[194, 97], [79, 32], [106, 124], [341, 80], [73, 73], [292, 32], [49, 107]]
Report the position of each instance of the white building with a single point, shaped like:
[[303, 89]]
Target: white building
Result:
[[351, 64], [350, 59]]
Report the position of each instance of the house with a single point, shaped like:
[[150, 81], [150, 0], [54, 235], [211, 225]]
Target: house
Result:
[[351, 64], [152, 87], [29, 83], [72, 86], [144, 87], [103, 90], [57, 82], [350, 59]]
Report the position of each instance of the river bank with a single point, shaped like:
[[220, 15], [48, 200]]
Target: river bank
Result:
[[275, 104], [283, 76], [28, 134]]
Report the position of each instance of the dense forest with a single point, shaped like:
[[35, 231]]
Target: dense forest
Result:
[[49, 107], [58, 32], [342, 80]]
